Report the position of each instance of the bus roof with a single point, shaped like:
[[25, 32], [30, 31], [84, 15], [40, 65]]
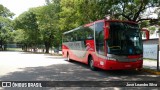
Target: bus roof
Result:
[[72, 30], [89, 24], [122, 21]]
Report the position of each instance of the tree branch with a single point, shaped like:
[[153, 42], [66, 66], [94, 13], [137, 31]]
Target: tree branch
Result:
[[126, 16], [146, 19], [142, 7]]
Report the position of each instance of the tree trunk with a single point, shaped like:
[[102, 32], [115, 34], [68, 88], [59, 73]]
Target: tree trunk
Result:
[[47, 45], [25, 48], [1, 45]]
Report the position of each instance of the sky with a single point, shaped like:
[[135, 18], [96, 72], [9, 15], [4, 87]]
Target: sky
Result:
[[20, 6], [150, 12]]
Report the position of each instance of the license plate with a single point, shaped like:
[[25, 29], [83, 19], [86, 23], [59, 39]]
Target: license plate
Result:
[[127, 65]]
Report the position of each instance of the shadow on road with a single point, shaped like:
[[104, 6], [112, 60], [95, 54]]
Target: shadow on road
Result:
[[74, 71]]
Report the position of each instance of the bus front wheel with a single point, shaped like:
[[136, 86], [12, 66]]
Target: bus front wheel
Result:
[[91, 64]]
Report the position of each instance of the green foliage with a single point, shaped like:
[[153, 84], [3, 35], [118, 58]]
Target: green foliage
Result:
[[20, 36], [6, 28], [128, 9], [4, 12], [5, 25], [27, 22], [144, 24], [40, 25], [152, 29], [78, 12], [48, 27], [45, 24]]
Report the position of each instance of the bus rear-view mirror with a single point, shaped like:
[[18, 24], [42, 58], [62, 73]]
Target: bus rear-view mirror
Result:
[[145, 34]]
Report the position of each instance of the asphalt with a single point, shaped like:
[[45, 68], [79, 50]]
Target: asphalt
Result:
[[22, 66], [149, 65]]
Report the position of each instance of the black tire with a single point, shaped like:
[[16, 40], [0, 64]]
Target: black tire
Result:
[[91, 63], [68, 58]]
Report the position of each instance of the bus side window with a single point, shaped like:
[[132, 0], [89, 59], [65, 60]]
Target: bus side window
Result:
[[82, 34], [89, 36], [73, 36], [89, 32], [66, 38]]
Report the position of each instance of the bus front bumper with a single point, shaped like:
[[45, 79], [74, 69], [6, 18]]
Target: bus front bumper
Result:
[[115, 65]]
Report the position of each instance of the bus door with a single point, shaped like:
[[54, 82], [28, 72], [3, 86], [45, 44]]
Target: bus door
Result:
[[100, 44]]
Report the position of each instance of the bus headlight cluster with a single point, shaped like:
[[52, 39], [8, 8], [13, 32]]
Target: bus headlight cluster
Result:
[[110, 58]]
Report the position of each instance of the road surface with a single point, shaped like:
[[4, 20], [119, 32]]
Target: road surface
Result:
[[22, 66]]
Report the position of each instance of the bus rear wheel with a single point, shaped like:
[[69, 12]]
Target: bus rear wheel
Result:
[[91, 64]]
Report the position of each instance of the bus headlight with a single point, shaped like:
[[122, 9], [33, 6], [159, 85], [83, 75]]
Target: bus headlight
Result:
[[112, 59]]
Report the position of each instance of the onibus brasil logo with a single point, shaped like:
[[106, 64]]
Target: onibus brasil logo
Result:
[[20, 84]]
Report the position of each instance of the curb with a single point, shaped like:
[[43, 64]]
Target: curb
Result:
[[155, 72]]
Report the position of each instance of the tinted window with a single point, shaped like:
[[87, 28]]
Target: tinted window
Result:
[[99, 34], [125, 38]]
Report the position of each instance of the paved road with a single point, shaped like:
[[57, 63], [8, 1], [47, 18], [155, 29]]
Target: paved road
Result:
[[21, 66]]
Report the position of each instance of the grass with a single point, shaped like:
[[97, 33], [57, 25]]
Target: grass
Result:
[[155, 72], [149, 59], [14, 49], [20, 49]]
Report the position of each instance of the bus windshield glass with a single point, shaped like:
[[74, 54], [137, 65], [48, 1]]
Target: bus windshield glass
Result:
[[124, 39]]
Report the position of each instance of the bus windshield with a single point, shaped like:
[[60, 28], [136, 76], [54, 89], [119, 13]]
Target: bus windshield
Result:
[[124, 39]]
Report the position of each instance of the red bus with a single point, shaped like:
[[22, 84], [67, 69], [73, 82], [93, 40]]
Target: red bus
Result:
[[105, 44]]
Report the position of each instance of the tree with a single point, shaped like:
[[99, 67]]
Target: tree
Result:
[[27, 21], [47, 18], [152, 29], [5, 25], [20, 37], [47, 23], [131, 10], [91, 10], [41, 24], [75, 13], [5, 12], [144, 24]]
